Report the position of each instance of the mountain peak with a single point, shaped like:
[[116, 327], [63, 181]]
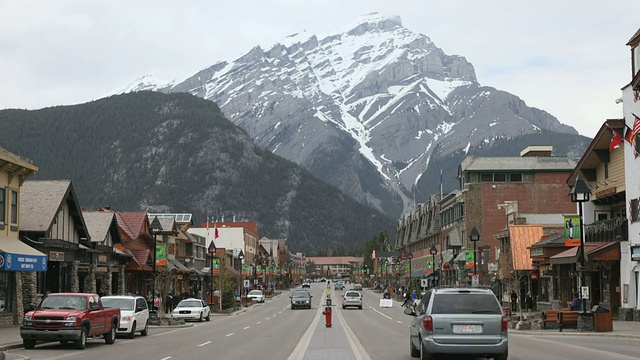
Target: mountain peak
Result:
[[371, 22]]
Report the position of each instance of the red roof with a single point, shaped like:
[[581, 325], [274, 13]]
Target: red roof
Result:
[[131, 224]]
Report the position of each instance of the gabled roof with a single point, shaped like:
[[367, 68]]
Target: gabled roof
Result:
[[40, 201], [98, 224], [601, 141], [521, 238], [633, 40], [553, 240], [131, 224]]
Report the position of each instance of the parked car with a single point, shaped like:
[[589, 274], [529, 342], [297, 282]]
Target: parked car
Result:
[[306, 284], [134, 314], [192, 309], [256, 295], [68, 317], [300, 299], [462, 321], [352, 298]]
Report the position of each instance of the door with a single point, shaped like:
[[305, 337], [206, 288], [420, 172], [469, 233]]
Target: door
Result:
[[96, 317], [566, 291]]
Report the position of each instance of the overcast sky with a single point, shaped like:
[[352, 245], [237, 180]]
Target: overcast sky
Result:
[[566, 57]]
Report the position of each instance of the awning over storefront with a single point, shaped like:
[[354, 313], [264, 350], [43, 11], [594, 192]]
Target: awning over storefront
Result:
[[571, 256], [460, 258], [18, 256], [175, 264]]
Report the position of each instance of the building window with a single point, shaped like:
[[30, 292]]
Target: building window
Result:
[[3, 205], [486, 178], [14, 207], [515, 177], [634, 210], [499, 177], [6, 284]]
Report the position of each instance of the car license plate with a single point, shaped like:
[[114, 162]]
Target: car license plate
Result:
[[467, 328]]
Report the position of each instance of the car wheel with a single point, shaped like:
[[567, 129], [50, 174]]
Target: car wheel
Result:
[[414, 352], [110, 337], [343, 307], [424, 355], [360, 307], [200, 319], [82, 342], [29, 344], [131, 334], [145, 331], [208, 318]]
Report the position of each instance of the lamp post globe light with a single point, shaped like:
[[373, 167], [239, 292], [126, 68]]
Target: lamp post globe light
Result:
[[212, 252], [433, 251], [580, 194], [474, 237]]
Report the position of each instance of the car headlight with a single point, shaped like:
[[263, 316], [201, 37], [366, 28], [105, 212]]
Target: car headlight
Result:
[[70, 321], [27, 320], [126, 318]]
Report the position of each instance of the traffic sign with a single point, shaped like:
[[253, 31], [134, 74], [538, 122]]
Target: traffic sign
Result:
[[247, 283], [475, 280], [424, 283]]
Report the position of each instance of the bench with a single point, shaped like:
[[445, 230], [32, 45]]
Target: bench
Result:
[[549, 316], [567, 317]]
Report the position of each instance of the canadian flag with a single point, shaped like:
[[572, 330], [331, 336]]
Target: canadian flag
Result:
[[217, 235], [616, 141]]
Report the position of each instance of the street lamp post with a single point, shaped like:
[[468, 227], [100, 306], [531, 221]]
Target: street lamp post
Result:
[[474, 237], [154, 227], [410, 256], [212, 252], [580, 193], [255, 269], [433, 251], [241, 257]]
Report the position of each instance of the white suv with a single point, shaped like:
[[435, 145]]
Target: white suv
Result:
[[134, 314]]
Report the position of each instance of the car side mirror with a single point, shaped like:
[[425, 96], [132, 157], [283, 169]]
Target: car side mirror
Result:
[[139, 309], [290, 297], [409, 311]]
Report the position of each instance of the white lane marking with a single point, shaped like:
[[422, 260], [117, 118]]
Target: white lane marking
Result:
[[279, 312], [205, 343], [268, 318], [164, 333], [358, 350], [258, 322], [167, 358], [246, 327], [388, 317], [303, 344], [399, 322], [229, 334]]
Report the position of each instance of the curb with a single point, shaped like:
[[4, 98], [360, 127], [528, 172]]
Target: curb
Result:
[[11, 346], [573, 333]]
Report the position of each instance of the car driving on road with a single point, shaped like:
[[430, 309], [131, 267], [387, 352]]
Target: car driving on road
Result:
[[352, 298], [256, 295], [300, 299], [462, 321], [192, 309]]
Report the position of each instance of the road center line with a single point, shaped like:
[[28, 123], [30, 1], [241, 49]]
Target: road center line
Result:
[[388, 317], [229, 334], [246, 327], [167, 358], [205, 343]]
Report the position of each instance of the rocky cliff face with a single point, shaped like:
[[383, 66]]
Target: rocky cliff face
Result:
[[364, 108]]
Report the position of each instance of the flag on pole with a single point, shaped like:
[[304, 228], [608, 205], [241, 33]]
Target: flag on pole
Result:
[[634, 133], [217, 235], [616, 140]]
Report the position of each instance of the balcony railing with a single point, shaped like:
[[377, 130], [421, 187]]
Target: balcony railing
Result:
[[607, 230]]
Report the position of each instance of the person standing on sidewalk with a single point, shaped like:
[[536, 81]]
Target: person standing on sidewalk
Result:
[[514, 301]]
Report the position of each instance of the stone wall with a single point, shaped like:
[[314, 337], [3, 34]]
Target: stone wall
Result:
[[30, 289], [75, 283], [123, 281]]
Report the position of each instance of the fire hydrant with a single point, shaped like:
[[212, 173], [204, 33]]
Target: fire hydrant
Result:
[[327, 316]]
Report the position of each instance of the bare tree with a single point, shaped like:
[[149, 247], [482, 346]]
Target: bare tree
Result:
[[163, 279]]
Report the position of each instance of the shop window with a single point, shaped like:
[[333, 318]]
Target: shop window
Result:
[[515, 177], [14, 207], [3, 205], [499, 177], [6, 284]]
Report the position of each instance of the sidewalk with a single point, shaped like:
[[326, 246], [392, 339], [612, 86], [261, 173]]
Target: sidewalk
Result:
[[621, 329]]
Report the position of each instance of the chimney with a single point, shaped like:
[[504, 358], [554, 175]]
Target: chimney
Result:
[[533, 151]]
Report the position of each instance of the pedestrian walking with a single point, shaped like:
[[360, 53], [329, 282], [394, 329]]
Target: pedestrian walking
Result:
[[405, 298], [514, 301], [414, 296]]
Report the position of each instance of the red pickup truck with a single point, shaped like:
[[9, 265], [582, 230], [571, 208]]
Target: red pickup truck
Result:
[[68, 317]]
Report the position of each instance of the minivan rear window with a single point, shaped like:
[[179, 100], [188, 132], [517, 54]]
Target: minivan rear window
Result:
[[465, 304]]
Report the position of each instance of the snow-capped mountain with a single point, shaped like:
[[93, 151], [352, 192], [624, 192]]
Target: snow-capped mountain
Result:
[[363, 108]]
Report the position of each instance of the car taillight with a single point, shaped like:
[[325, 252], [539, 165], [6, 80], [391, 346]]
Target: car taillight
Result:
[[427, 323], [505, 324]]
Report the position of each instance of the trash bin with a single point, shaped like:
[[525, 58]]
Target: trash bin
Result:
[[602, 319]]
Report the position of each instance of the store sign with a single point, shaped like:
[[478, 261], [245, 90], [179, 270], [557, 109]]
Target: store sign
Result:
[[571, 230], [102, 258], [56, 256], [537, 252], [22, 262]]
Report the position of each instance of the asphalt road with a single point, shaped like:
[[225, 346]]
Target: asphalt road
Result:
[[273, 331]]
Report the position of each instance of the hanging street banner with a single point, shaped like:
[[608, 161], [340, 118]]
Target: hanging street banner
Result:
[[397, 269], [407, 268], [244, 270], [215, 265], [161, 254], [572, 230], [259, 270], [429, 266], [468, 254]]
